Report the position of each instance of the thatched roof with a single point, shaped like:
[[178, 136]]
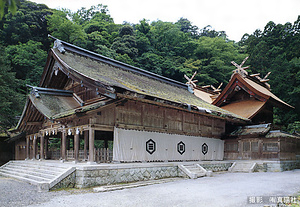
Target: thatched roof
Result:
[[115, 76]]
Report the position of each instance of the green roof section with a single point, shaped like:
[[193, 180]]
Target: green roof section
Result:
[[113, 76], [51, 105]]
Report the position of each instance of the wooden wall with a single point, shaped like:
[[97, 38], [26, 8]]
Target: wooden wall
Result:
[[20, 150], [262, 148], [145, 116], [149, 117]]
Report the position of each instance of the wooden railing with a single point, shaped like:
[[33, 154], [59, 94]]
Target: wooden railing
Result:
[[101, 155]]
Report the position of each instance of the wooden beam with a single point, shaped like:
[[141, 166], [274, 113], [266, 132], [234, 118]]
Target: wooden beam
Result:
[[264, 80], [101, 127], [256, 74]]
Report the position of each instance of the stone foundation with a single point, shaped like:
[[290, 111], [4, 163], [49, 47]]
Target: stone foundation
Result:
[[217, 167], [105, 174], [277, 166], [88, 176], [67, 182], [93, 176]]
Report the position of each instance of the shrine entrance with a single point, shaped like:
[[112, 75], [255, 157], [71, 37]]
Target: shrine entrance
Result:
[[103, 146]]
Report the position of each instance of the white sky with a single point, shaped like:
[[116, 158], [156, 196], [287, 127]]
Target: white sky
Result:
[[235, 17]]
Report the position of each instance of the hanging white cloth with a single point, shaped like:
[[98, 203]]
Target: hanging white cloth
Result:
[[131, 145]]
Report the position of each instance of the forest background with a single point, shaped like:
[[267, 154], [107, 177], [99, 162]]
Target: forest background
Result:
[[166, 48]]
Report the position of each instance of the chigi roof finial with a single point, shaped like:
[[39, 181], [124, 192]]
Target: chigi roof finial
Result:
[[241, 70]]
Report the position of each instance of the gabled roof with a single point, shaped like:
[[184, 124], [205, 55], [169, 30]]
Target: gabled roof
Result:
[[245, 108], [110, 77], [205, 94], [255, 89], [51, 104]]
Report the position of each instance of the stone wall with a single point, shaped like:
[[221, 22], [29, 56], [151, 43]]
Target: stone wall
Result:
[[88, 176], [278, 166], [289, 165], [93, 177], [217, 167], [67, 182]]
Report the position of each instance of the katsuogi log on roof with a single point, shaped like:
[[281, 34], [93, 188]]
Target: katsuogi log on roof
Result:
[[250, 96]]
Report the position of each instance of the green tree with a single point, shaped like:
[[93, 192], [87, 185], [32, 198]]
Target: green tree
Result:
[[10, 4], [83, 15], [276, 49], [187, 27], [63, 28], [27, 60], [126, 42], [11, 100], [209, 32], [29, 23], [213, 58]]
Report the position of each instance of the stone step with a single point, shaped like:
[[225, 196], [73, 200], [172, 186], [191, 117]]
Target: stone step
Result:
[[194, 171], [32, 177], [243, 167], [27, 180], [39, 165], [201, 174], [192, 168], [43, 174], [40, 170]]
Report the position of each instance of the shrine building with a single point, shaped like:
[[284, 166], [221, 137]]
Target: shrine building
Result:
[[250, 96], [84, 97], [91, 109]]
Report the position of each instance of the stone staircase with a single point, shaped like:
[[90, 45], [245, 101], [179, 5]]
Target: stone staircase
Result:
[[243, 166], [44, 175], [194, 170]]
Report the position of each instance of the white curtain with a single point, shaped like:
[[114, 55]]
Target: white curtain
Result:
[[130, 145]]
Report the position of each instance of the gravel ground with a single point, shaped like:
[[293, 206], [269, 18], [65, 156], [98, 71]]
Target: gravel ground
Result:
[[229, 189], [18, 193]]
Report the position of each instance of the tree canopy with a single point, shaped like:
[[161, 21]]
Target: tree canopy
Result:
[[276, 50]]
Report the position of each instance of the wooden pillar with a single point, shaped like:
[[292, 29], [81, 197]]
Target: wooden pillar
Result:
[[68, 142], [86, 142], [34, 148], [76, 146], [63, 145], [42, 145], [91, 145], [27, 148], [46, 147], [60, 145]]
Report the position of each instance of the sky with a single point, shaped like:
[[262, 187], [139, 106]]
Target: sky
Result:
[[235, 17]]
